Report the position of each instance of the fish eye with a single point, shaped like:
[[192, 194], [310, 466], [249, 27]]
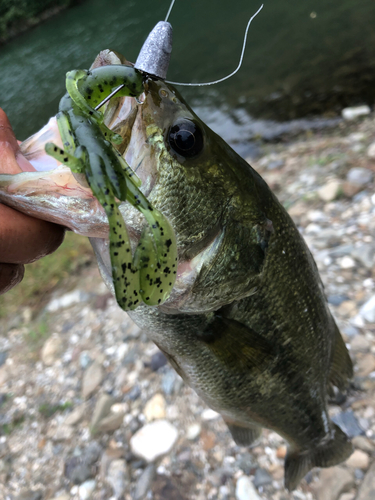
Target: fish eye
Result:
[[185, 138]]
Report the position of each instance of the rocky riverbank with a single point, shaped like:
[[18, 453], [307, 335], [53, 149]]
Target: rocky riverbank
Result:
[[90, 409]]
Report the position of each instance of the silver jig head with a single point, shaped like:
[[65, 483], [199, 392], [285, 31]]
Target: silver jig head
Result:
[[155, 54]]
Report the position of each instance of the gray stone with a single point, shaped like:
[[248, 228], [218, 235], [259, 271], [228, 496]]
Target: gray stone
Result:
[[333, 482], [167, 488], [4, 448], [331, 190], [3, 357], [336, 300], [154, 440], [109, 423], [348, 422], [347, 496], [77, 471], [62, 432], [275, 164], [118, 477], [155, 408], [134, 393], [67, 300], [158, 360], [359, 175], [367, 489], [363, 443], [341, 251], [130, 357], [367, 311], [91, 453], [76, 415], [224, 492], [366, 365], [92, 379], [247, 463], [350, 330], [51, 350], [168, 382], [84, 359], [144, 482], [371, 151], [359, 474], [245, 489], [298, 495], [365, 254], [30, 495], [262, 478], [360, 344], [358, 460], [102, 410]]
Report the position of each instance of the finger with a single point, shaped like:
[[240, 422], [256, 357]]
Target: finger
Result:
[[10, 276], [24, 239], [12, 160]]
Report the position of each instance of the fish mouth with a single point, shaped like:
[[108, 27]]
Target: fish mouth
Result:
[[49, 190]]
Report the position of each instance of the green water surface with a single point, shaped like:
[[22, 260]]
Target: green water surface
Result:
[[303, 58]]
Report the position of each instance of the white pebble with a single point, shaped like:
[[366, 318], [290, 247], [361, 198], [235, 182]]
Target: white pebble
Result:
[[154, 440], [86, 489], [245, 489], [66, 300], [367, 311], [210, 414], [355, 111], [193, 431], [371, 151], [347, 262]]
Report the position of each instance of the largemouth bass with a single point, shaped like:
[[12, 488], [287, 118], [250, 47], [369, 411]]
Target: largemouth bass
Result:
[[247, 324]]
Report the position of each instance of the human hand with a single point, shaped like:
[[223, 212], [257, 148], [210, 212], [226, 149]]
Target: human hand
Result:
[[23, 239]]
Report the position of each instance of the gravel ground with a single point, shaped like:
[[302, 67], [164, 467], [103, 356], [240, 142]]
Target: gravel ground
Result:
[[90, 409]]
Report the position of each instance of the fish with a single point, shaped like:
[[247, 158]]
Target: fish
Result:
[[246, 324]]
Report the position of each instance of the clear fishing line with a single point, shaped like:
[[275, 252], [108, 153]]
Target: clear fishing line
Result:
[[169, 11], [231, 74]]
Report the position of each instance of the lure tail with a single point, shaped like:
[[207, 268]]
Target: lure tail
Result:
[[326, 454]]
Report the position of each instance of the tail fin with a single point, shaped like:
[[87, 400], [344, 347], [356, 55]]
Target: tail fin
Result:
[[330, 452]]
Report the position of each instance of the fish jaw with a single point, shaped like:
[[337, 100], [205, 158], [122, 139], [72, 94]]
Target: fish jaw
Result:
[[33, 147], [57, 197]]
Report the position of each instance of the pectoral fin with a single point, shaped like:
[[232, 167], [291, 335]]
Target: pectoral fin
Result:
[[238, 346], [341, 365], [243, 436]]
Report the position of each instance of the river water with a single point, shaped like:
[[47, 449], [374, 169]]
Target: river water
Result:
[[303, 59]]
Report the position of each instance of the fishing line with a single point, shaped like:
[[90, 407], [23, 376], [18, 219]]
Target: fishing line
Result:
[[169, 11], [235, 71], [154, 47]]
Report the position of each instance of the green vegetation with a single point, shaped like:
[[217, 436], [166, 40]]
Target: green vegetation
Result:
[[43, 276], [18, 15], [35, 337], [8, 427], [49, 409]]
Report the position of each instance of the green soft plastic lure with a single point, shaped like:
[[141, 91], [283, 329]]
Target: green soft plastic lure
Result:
[[148, 276]]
